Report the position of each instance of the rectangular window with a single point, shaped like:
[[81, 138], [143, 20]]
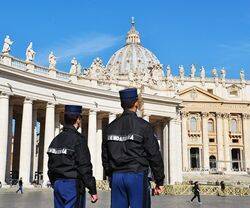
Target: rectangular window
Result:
[[211, 140], [235, 141]]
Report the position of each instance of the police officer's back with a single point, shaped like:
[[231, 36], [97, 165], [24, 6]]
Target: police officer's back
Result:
[[129, 148], [69, 166]]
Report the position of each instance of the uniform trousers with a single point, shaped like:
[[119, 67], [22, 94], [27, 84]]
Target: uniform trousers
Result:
[[130, 190], [66, 194]]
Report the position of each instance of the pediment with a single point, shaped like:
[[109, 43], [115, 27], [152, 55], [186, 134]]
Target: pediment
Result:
[[198, 94]]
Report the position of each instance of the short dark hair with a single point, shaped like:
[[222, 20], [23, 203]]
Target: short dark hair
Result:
[[70, 119], [129, 104]]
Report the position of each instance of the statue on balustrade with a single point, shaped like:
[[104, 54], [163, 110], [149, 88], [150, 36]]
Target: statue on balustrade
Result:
[[203, 72], [6, 45], [168, 73], [73, 69], [242, 75], [214, 72], [193, 70], [79, 69], [223, 73], [97, 69], [181, 71], [52, 61], [157, 73], [30, 53]]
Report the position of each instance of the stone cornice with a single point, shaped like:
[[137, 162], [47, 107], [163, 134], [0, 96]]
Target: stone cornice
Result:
[[54, 83], [160, 99]]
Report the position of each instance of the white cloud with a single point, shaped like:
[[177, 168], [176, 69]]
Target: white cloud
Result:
[[75, 46]]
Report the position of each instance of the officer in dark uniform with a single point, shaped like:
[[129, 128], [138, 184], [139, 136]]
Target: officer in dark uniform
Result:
[[129, 148], [69, 165]]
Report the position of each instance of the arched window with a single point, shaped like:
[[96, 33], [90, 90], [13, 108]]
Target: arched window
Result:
[[210, 125], [193, 124], [233, 125]]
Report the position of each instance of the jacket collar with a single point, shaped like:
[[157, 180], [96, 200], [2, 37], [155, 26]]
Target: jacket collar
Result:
[[69, 127], [129, 112]]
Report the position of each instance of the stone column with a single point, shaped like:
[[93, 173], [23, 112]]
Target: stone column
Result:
[[48, 137], [4, 119], [57, 123], [92, 138], [34, 155], [184, 142], [112, 117], [158, 132], [246, 139], [26, 142], [219, 133], [175, 157], [99, 169], [205, 140], [9, 145], [226, 142], [165, 151]]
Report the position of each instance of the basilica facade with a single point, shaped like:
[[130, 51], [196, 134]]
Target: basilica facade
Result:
[[202, 122]]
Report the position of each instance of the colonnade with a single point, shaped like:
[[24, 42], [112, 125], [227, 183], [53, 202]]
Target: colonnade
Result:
[[20, 150]]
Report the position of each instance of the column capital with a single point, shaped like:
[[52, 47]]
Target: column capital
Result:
[[28, 100], [4, 94], [184, 114], [226, 115], [50, 105], [92, 111], [204, 114], [245, 116], [219, 115]]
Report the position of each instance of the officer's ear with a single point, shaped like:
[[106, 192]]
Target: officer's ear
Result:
[[137, 104]]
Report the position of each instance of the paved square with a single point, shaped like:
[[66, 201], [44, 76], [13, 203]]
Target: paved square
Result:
[[44, 199]]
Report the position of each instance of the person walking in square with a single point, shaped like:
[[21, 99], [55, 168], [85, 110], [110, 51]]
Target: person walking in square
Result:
[[129, 149], [20, 186], [196, 191]]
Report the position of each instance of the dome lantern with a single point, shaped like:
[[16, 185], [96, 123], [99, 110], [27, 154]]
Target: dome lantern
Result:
[[133, 36]]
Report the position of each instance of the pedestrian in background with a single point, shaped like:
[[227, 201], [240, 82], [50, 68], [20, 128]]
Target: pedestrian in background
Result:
[[196, 191], [222, 187], [20, 186]]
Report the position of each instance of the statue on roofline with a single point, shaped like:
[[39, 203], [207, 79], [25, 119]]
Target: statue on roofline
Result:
[[30, 53], [203, 72], [193, 70], [168, 73], [73, 68], [6, 45], [52, 60], [223, 73], [242, 75], [214, 72], [181, 71]]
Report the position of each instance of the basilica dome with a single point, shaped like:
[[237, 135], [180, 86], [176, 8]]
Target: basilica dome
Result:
[[133, 57]]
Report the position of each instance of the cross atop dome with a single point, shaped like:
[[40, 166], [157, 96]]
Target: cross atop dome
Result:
[[133, 36], [132, 21]]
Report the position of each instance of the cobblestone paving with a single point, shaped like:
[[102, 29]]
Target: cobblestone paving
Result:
[[43, 199]]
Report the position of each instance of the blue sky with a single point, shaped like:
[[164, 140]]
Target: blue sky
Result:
[[211, 33]]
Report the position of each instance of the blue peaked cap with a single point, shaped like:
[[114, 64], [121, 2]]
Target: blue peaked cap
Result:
[[128, 95], [73, 109]]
